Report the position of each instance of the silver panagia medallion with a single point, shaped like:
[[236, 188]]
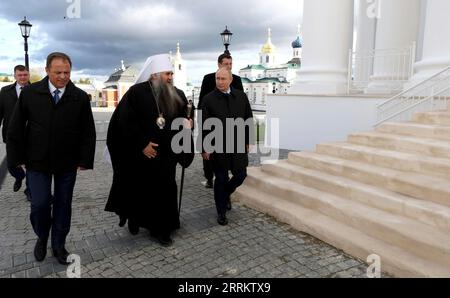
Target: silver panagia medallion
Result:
[[161, 122]]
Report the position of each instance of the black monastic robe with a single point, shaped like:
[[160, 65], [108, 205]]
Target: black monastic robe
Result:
[[144, 189]]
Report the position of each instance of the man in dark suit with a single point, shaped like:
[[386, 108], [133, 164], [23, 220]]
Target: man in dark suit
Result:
[[209, 85], [230, 153], [52, 134], [8, 98]]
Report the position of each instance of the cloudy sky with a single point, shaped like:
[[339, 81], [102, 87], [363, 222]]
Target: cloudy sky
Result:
[[108, 31]]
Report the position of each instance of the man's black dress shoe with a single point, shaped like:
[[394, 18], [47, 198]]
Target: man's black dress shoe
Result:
[[222, 220], [17, 185], [40, 250], [61, 255], [165, 241]]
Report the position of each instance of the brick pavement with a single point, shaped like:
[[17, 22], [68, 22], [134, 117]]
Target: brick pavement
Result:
[[252, 245]]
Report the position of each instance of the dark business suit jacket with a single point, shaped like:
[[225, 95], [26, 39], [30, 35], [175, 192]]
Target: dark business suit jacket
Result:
[[8, 99]]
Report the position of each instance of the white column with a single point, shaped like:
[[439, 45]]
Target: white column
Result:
[[365, 39], [436, 44], [397, 28], [327, 39]]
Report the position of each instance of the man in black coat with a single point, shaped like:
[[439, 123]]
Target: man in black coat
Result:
[[8, 99], [140, 134], [52, 133], [209, 85], [228, 111]]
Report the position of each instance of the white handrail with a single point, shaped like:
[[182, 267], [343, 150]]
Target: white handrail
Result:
[[414, 105], [413, 87]]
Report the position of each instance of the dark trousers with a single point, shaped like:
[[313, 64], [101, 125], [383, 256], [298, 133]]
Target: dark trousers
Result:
[[42, 217], [224, 187], [208, 169]]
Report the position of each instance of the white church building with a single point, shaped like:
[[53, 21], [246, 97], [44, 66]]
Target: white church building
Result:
[[268, 77], [125, 76], [399, 45]]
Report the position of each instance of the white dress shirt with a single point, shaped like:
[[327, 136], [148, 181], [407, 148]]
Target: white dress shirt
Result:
[[53, 89]]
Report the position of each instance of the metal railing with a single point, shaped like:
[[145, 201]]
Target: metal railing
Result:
[[393, 65], [431, 94]]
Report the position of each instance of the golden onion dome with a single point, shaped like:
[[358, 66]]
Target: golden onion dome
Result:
[[268, 47]]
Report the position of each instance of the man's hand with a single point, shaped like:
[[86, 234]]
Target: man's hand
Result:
[[81, 169], [206, 156], [150, 150]]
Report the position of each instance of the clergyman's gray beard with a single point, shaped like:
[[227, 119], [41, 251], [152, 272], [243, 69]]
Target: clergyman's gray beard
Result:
[[168, 99]]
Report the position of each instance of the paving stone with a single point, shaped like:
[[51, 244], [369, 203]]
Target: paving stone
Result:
[[252, 245]]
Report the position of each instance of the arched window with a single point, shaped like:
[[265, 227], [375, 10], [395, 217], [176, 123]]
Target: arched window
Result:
[[267, 59], [179, 66]]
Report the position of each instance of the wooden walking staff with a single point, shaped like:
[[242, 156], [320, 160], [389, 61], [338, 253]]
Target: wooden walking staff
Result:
[[188, 112]]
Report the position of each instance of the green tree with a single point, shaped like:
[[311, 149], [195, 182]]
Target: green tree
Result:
[[35, 78]]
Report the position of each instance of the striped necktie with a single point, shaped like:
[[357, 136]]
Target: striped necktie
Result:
[[56, 96]]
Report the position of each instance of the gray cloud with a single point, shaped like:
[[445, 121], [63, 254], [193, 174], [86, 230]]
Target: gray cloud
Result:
[[109, 31]]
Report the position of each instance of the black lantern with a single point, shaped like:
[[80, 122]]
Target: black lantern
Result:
[[226, 39], [25, 28]]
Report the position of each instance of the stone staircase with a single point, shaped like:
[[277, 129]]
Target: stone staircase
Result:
[[385, 192]]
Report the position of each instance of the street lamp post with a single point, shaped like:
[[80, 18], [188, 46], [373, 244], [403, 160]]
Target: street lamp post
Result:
[[25, 28], [226, 38]]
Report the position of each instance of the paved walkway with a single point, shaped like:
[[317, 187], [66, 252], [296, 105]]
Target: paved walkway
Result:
[[252, 245]]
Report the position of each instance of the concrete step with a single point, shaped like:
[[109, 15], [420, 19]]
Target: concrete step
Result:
[[426, 146], [427, 212], [408, 162], [393, 259], [416, 129], [417, 238], [415, 185], [433, 118]]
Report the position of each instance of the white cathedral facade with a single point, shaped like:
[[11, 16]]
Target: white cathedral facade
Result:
[[401, 45], [268, 77]]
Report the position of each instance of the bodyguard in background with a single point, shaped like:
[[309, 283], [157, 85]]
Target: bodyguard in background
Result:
[[209, 85], [52, 133], [8, 99]]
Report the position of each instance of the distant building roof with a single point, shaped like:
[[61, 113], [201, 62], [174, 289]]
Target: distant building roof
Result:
[[294, 63], [254, 67], [128, 75], [264, 80]]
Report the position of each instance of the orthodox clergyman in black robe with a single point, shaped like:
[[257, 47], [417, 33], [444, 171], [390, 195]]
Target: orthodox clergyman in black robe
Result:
[[144, 189]]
